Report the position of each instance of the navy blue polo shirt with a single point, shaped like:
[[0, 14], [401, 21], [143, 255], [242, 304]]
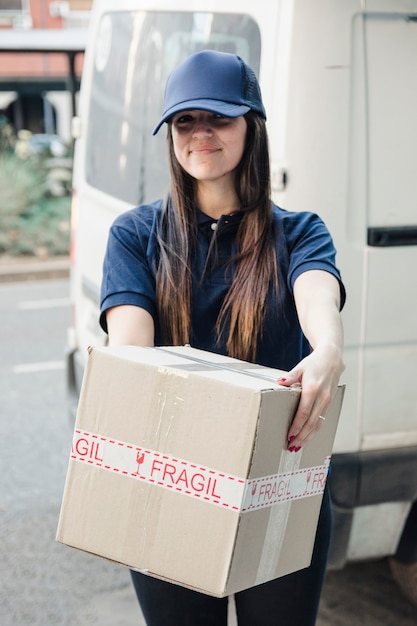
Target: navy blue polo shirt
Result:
[[302, 243]]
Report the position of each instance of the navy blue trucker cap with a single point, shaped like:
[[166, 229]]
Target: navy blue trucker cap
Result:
[[213, 81]]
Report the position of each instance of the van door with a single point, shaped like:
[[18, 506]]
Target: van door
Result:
[[383, 208]]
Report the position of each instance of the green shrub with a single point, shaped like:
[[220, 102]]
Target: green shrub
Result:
[[43, 230], [22, 183], [31, 222]]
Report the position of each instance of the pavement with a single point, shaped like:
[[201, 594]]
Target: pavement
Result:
[[32, 268]]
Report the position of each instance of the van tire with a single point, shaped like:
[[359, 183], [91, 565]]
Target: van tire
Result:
[[405, 575]]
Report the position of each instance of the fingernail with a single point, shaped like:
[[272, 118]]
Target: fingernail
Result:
[[297, 448], [282, 379], [292, 449], [291, 438]]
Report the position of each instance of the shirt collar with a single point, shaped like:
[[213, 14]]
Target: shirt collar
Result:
[[232, 219]]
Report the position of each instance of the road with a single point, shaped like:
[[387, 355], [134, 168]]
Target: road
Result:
[[47, 584]]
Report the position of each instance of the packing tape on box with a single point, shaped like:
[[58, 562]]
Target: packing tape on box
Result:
[[278, 517], [191, 479]]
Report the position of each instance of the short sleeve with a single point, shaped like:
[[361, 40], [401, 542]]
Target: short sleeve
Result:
[[310, 247], [129, 263]]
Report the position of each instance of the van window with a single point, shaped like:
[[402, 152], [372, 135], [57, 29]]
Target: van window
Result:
[[134, 55]]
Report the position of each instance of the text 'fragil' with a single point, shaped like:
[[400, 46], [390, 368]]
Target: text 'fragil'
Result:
[[187, 478], [155, 468], [169, 474], [270, 490], [87, 449]]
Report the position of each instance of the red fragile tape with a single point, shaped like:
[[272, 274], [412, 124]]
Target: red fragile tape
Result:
[[194, 480]]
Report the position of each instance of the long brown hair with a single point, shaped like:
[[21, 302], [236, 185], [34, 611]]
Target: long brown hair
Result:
[[255, 263]]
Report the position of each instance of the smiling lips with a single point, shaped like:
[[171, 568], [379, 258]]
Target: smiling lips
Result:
[[204, 148]]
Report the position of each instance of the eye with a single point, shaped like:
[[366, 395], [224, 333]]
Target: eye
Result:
[[221, 120], [183, 118]]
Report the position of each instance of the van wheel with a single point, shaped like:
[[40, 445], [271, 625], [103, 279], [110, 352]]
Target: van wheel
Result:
[[405, 575]]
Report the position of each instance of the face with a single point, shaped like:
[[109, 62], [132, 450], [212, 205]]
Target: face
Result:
[[208, 146]]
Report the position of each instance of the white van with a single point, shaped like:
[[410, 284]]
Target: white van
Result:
[[339, 83]]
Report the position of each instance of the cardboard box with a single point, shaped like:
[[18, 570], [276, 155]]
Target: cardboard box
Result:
[[179, 468]]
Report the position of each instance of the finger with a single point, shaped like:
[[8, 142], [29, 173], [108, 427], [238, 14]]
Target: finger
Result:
[[300, 428], [309, 432], [305, 424], [306, 434], [290, 378]]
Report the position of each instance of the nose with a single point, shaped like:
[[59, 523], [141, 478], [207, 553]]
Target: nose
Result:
[[202, 126]]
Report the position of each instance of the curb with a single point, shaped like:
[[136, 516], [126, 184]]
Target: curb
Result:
[[14, 270]]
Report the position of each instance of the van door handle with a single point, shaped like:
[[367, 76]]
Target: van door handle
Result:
[[386, 236]]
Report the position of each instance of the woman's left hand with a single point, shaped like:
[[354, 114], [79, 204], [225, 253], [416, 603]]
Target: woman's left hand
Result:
[[318, 374]]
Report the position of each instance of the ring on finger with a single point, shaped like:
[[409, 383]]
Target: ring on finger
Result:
[[321, 417]]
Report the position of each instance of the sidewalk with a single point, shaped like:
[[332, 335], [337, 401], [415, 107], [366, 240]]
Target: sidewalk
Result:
[[31, 268]]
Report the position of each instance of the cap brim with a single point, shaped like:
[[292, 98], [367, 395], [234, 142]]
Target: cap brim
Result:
[[214, 106]]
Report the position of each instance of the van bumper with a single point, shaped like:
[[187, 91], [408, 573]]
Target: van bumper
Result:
[[366, 479], [74, 366]]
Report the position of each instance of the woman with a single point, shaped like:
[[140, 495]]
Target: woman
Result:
[[217, 265]]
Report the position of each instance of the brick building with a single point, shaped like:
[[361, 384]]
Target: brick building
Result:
[[42, 44]]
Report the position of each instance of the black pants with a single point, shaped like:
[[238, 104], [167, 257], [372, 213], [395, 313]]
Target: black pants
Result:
[[288, 601]]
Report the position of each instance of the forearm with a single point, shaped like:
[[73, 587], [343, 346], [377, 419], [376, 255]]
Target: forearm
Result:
[[130, 325], [317, 297], [323, 328]]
